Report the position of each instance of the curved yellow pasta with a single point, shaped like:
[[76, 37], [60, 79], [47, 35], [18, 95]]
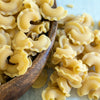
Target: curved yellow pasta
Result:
[[41, 44], [12, 32], [52, 13], [41, 80], [40, 2], [5, 52], [94, 95], [52, 93], [4, 38], [25, 17], [64, 86], [75, 65], [95, 46], [30, 4], [11, 7], [66, 52], [21, 61], [92, 59], [88, 20], [41, 28], [79, 34], [63, 40], [92, 82], [7, 22], [32, 35], [21, 41], [68, 74]]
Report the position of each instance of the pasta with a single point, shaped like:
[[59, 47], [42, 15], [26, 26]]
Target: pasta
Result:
[[41, 28], [41, 44], [68, 74], [7, 22], [52, 13], [24, 18], [92, 59], [66, 52], [79, 34], [4, 38], [11, 7], [21, 61], [40, 2], [41, 80], [94, 94], [30, 4], [5, 52], [92, 82], [21, 41], [64, 86], [53, 93]]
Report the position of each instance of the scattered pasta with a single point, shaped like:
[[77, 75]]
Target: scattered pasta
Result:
[[75, 58]]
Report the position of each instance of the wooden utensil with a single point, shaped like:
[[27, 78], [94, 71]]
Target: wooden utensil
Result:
[[16, 87]]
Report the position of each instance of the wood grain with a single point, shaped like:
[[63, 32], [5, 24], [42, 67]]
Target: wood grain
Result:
[[15, 88]]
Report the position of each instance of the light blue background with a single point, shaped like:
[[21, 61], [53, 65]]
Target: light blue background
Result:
[[91, 7]]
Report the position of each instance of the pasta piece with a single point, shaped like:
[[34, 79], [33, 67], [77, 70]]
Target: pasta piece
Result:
[[52, 13], [68, 74], [88, 20], [41, 44], [70, 6], [11, 7], [64, 86], [41, 80], [21, 41], [92, 59], [54, 76], [5, 52], [32, 35], [95, 45], [52, 93], [75, 65], [7, 22], [40, 2], [79, 34], [12, 32], [66, 52], [95, 95], [92, 82], [63, 40], [4, 38], [30, 4], [21, 61], [25, 17], [41, 28]]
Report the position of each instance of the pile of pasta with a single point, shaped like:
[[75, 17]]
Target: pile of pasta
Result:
[[23, 28], [76, 59]]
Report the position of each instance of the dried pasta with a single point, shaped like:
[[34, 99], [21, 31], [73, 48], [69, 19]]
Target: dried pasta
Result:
[[76, 50], [7, 22], [5, 52], [52, 13], [41, 44], [24, 18], [11, 7], [53, 93], [21, 41], [92, 82], [92, 59]]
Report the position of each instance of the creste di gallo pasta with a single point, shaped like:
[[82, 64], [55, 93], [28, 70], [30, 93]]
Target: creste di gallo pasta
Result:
[[75, 59], [23, 34]]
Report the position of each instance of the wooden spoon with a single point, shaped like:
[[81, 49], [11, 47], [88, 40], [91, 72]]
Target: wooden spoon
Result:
[[16, 87]]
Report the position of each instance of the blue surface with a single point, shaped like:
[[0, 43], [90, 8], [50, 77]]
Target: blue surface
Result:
[[91, 7]]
